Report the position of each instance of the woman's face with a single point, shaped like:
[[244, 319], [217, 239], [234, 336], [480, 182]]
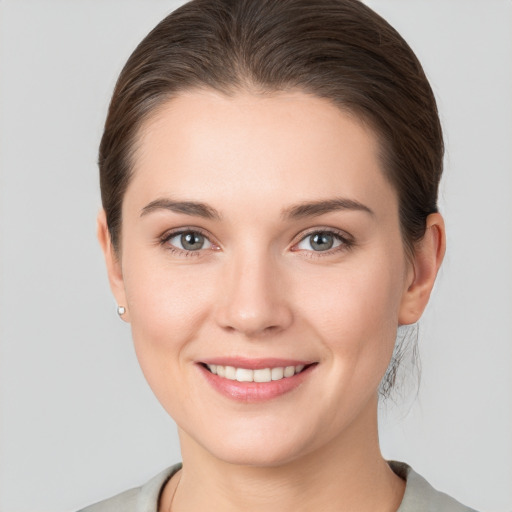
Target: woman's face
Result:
[[260, 234]]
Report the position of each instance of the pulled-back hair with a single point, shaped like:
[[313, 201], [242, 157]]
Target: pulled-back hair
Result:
[[340, 50]]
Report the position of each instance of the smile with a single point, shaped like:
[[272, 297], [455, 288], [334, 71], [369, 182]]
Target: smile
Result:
[[252, 381], [259, 375]]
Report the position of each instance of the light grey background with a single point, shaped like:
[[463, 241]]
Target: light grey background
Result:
[[78, 422]]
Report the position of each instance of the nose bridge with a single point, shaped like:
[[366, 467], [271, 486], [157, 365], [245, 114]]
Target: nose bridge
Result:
[[253, 300]]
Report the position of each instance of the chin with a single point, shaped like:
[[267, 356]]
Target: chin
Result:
[[256, 455], [269, 446]]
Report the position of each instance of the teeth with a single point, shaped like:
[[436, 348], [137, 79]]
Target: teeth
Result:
[[230, 372], [260, 375], [243, 375], [277, 373], [264, 375], [289, 371]]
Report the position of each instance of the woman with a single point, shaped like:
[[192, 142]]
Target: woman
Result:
[[269, 176]]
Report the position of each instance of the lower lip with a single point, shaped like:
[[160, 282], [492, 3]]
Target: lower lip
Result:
[[255, 391]]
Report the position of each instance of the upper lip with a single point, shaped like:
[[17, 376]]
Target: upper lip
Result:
[[255, 363]]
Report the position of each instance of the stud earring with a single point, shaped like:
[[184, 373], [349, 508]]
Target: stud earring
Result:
[[121, 310]]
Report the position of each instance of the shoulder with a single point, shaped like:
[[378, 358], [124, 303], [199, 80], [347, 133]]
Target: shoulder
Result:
[[138, 499], [420, 496]]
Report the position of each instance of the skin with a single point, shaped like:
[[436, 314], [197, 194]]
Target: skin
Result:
[[258, 288]]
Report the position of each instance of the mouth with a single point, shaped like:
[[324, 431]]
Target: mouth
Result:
[[258, 375], [265, 380]]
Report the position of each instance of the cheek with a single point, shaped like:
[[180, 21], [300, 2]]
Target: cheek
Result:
[[167, 307], [167, 310], [356, 312]]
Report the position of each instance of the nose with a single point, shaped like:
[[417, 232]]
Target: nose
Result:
[[253, 299]]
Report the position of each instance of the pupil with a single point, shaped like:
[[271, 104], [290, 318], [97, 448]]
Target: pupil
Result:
[[322, 241], [192, 241]]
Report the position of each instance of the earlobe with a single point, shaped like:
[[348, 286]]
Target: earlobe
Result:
[[113, 263], [428, 256]]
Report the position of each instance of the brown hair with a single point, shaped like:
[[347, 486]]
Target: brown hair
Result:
[[335, 49]]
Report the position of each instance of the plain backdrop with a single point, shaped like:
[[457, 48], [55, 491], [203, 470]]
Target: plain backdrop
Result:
[[78, 422]]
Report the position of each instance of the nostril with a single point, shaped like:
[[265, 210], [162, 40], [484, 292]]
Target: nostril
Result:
[[252, 306]]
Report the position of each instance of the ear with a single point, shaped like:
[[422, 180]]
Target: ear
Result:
[[114, 269], [427, 258]]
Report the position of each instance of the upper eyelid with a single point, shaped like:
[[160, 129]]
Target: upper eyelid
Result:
[[171, 233], [337, 232], [343, 235]]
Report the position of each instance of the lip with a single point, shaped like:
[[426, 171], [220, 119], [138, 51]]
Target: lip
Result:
[[254, 392], [255, 364]]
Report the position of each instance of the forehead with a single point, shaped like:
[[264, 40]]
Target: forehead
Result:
[[257, 150]]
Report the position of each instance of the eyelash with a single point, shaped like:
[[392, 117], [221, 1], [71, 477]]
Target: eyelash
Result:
[[346, 244], [164, 239]]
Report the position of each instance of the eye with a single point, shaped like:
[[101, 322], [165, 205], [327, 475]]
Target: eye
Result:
[[321, 241], [188, 241]]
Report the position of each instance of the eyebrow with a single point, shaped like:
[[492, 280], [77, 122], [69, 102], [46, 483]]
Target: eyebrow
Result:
[[306, 209], [316, 208], [186, 207]]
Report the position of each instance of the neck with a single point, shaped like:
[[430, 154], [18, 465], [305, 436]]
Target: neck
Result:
[[348, 473]]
